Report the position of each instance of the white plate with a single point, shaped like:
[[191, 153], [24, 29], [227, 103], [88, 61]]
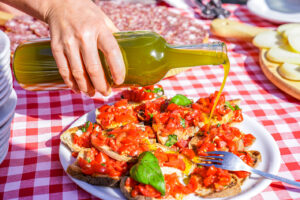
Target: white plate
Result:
[[8, 108], [4, 45], [4, 129], [5, 81], [3, 152], [279, 11], [265, 144], [4, 62]]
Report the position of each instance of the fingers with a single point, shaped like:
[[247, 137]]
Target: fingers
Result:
[[90, 56], [111, 50], [77, 68], [63, 66]]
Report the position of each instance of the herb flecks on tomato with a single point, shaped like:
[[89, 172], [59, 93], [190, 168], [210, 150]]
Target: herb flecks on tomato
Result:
[[173, 187], [213, 177], [95, 162], [139, 94], [130, 140], [121, 113]]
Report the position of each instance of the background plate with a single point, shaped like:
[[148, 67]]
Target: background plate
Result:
[[254, 185], [279, 11]]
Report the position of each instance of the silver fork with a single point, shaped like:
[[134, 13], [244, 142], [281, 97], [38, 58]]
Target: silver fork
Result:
[[229, 161]]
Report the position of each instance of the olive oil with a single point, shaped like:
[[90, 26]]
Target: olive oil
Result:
[[146, 55]]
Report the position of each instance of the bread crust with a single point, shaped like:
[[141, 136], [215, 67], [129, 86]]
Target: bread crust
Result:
[[127, 190], [95, 179], [67, 138], [232, 189]]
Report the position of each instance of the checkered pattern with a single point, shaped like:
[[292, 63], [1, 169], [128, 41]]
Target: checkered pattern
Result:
[[32, 169]]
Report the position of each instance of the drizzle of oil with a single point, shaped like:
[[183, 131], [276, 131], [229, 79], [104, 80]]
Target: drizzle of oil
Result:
[[226, 67]]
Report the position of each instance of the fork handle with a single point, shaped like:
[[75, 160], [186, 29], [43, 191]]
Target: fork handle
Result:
[[271, 176]]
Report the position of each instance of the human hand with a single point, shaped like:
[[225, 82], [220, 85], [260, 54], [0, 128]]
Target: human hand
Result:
[[78, 29]]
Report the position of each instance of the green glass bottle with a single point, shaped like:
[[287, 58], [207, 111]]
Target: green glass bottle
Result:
[[147, 58]]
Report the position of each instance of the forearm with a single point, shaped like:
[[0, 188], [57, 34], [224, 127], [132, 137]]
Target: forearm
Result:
[[35, 8]]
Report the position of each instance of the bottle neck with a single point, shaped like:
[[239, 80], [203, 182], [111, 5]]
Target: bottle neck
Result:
[[195, 55]]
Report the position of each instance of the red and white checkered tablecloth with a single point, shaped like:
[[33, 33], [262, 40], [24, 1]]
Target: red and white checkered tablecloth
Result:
[[32, 170]]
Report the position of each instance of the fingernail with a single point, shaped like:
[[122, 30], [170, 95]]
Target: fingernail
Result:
[[75, 90], [107, 93], [120, 79], [91, 93]]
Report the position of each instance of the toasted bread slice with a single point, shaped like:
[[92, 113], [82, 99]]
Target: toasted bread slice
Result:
[[126, 109], [127, 192], [256, 156], [67, 138], [227, 118], [232, 189], [95, 179], [182, 134], [113, 154]]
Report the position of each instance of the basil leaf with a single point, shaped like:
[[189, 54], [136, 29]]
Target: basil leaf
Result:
[[157, 90], [86, 126], [229, 105], [89, 160], [181, 100], [148, 91], [103, 164], [147, 171], [151, 115], [111, 136], [182, 122], [218, 125], [236, 107], [172, 139]]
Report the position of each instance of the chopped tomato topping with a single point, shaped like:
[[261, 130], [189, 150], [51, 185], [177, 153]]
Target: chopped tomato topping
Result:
[[188, 153], [118, 114], [139, 94], [248, 160], [100, 163], [248, 139], [169, 159], [130, 139], [173, 187], [83, 140], [213, 177]]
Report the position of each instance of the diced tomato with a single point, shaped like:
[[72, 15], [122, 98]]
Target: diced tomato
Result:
[[179, 164], [188, 153], [242, 174], [211, 171], [182, 143], [161, 156], [207, 181], [120, 103], [101, 157], [248, 140], [238, 116]]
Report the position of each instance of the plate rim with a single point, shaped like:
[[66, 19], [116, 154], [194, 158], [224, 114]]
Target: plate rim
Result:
[[12, 97], [265, 15], [263, 183]]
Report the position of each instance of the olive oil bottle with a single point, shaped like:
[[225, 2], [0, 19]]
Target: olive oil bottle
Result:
[[146, 55]]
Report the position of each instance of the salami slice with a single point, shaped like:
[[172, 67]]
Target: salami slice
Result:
[[174, 27]]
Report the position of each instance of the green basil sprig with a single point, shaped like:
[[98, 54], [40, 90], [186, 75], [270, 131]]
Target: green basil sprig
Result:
[[156, 91], [182, 122], [147, 171], [236, 107], [172, 139], [181, 100], [86, 126]]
